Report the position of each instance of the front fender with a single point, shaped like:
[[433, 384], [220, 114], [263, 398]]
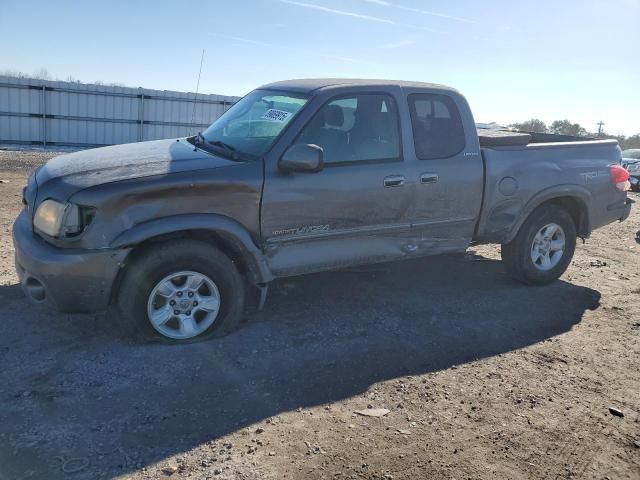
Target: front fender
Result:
[[232, 233]]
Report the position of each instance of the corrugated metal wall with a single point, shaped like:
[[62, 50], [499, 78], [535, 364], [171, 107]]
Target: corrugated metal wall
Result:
[[51, 113]]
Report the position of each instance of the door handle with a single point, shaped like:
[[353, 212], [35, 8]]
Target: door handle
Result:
[[394, 181], [429, 178]]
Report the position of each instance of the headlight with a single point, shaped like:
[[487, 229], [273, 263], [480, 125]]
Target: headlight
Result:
[[56, 219], [49, 216]]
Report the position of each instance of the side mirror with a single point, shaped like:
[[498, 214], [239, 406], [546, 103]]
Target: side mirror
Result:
[[302, 158]]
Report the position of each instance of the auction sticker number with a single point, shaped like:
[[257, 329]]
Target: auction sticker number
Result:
[[275, 115]]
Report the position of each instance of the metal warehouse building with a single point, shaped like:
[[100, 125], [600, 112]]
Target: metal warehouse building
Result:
[[51, 113]]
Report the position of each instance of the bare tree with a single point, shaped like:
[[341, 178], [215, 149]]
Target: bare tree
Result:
[[42, 74]]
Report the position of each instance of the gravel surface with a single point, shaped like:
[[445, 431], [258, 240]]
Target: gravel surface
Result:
[[23, 160], [481, 377]]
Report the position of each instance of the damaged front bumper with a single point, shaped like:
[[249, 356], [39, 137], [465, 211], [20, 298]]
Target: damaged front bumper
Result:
[[71, 280]]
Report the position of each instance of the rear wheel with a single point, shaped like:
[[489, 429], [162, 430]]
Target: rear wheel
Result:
[[182, 291], [543, 248]]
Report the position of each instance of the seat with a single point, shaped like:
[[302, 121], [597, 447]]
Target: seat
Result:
[[373, 136], [325, 131]]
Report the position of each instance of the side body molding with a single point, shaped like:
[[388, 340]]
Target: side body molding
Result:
[[232, 233]]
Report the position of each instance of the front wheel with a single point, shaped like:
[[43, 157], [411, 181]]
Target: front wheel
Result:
[[182, 291], [543, 248]]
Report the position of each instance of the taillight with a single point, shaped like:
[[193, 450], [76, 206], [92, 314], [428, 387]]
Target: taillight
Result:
[[619, 177]]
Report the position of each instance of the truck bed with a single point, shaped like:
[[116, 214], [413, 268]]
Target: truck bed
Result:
[[518, 176], [491, 137]]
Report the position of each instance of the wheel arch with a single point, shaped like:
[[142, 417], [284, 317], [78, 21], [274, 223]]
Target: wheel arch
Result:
[[575, 201], [222, 232]]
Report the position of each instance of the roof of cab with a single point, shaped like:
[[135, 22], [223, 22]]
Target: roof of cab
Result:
[[309, 85]]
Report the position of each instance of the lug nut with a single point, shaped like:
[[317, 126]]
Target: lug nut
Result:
[[179, 294], [176, 312], [172, 303], [195, 304], [190, 294], [189, 312]]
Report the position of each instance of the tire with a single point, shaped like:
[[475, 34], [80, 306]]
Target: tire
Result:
[[518, 255], [161, 270]]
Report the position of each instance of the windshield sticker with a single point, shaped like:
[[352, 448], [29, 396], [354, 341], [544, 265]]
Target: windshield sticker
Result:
[[275, 115]]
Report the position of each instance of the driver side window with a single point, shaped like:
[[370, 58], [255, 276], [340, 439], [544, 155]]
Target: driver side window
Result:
[[357, 128]]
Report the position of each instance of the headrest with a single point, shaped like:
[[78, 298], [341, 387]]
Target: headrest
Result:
[[368, 106], [333, 116]]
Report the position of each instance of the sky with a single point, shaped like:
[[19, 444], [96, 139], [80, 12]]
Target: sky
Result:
[[513, 60]]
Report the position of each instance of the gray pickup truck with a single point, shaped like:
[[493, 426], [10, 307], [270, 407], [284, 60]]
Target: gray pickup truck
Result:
[[298, 177]]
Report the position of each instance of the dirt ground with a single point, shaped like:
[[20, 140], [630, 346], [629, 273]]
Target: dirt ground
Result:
[[483, 378]]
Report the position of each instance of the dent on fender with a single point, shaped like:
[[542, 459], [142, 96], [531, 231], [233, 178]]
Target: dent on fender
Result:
[[227, 192]]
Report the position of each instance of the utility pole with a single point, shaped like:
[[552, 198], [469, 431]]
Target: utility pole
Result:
[[600, 125]]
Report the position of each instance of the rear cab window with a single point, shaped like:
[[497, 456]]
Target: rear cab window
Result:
[[437, 126]]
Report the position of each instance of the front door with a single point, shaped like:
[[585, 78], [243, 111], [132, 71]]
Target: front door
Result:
[[357, 209]]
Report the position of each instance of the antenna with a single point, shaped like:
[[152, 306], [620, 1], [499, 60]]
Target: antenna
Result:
[[195, 96]]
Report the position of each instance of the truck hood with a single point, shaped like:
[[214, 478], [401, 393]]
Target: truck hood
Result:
[[97, 166]]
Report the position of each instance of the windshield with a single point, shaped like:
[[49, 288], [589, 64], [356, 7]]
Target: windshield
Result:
[[633, 153], [251, 125]]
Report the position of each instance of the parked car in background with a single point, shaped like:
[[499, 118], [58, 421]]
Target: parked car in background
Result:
[[631, 161], [298, 177]]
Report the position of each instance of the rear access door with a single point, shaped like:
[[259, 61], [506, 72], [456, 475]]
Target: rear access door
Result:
[[448, 169]]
